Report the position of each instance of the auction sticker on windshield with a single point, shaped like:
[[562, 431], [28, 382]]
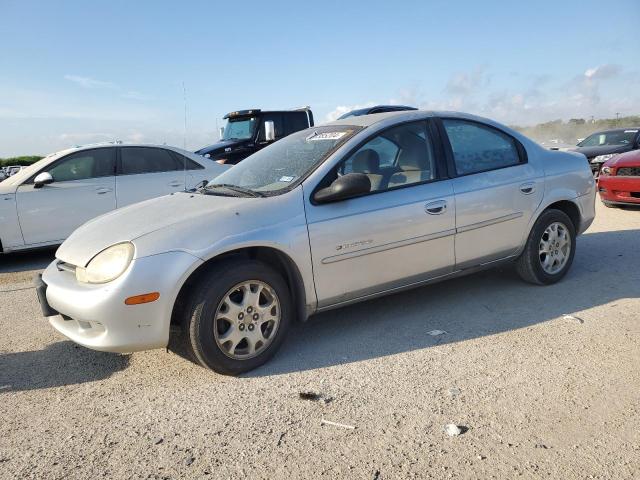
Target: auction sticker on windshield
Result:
[[315, 136]]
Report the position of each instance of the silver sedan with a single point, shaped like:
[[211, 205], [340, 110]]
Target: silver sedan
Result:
[[329, 216]]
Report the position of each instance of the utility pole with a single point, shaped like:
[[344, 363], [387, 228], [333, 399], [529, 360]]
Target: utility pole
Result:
[[617, 117]]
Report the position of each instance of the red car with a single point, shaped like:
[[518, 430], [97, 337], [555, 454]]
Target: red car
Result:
[[619, 182]]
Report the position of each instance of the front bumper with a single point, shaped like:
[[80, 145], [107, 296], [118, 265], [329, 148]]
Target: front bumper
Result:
[[96, 316], [619, 190]]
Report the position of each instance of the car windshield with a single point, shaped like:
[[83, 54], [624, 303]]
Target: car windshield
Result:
[[618, 137], [240, 128], [278, 167]]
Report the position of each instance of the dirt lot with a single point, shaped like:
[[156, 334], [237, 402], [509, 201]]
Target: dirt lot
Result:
[[541, 395]]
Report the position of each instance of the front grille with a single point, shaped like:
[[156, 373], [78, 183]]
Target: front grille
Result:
[[628, 172], [635, 194]]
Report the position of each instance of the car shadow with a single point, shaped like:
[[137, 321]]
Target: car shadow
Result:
[[478, 305], [26, 261], [59, 364]]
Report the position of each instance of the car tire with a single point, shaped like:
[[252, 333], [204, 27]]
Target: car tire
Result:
[[540, 267], [206, 329]]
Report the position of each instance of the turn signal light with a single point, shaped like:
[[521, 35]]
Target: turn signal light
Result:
[[144, 298]]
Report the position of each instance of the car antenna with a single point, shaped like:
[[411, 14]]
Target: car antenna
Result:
[[184, 141]]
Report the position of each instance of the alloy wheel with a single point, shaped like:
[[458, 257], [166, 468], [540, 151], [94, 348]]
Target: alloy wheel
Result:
[[554, 248], [247, 319]]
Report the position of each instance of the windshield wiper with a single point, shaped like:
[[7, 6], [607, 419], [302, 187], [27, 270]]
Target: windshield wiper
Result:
[[235, 188]]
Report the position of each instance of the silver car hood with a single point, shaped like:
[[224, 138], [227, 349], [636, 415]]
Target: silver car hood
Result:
[[171, 213]]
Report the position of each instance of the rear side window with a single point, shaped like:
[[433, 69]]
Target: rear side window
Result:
[[478, 148], [186, 163], [147, 160], [99, 162]]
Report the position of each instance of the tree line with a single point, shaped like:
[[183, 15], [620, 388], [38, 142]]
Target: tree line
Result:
[[575, 129], [24, 160]]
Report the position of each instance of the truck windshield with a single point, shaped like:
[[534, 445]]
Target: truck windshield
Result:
[[240, 128], [278, 167]]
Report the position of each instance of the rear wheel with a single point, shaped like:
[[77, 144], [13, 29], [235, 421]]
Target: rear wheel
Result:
[[550, 248], [238, 317]]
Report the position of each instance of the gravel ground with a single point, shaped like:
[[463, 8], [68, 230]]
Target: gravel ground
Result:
[[539, 394]]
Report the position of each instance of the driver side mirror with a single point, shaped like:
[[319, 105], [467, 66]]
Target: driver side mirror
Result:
[[269, 131], [42, 179], [347, 186]]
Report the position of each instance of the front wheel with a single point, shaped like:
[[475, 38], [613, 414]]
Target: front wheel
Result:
[[239, 316], [550, 248]]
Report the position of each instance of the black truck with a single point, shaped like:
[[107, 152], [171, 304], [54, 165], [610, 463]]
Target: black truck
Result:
[[247, 131]]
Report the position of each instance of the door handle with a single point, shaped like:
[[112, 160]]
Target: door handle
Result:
[[528, 188], [103, 190], [436, 208]]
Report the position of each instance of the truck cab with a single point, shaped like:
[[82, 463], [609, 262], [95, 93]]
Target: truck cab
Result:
[[247, 131]]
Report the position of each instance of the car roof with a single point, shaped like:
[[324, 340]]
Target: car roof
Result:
[[91, 146], [373, 118]]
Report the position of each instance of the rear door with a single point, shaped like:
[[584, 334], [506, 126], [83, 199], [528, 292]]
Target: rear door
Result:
[[83, 187], [147, 172], [497, 190]]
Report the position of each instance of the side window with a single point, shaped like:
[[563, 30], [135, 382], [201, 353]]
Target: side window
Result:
[[385, 149], [399, 156], [147, 160], [86, 164], [478, 148], [276, 118], [295, 121], [184, 161]]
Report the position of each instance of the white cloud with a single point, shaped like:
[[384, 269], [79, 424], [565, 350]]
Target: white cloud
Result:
[[93, 84], [87, 82], [600, 91], [85, 137], [602, 72], [465, 83], [133, 95]]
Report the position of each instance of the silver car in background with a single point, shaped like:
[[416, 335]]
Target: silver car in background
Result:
[[328, 216]]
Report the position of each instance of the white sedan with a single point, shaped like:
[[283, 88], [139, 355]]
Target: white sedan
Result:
[[42, 204]]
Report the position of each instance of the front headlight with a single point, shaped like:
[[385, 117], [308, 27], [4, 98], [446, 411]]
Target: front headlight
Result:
[[605, 171], [602, 158], [108, 265]]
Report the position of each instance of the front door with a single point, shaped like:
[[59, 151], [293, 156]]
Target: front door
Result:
[[401, 233], [83, 187]]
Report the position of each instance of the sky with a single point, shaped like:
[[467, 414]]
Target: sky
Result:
[[77, 72]]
